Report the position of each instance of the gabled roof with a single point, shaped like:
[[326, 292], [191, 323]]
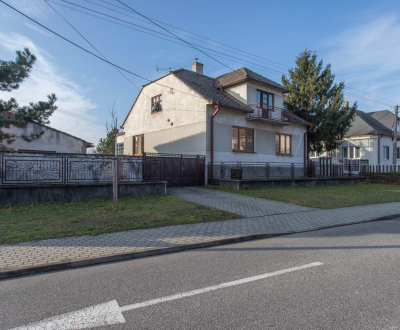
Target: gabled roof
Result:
[[378, 122], [244, 74], [205, 87], [11, 115]]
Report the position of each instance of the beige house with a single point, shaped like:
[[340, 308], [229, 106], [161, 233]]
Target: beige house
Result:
[[238, 116]]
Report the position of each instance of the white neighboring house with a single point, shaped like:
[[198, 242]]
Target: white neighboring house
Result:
[[369, 140], [51, 141], [238, 116]]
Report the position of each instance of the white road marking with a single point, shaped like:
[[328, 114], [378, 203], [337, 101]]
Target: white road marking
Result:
[[110, 313]]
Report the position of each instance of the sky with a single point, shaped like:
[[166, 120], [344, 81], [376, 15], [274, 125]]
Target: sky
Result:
[[359, 38]]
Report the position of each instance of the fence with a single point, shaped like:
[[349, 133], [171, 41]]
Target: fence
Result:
[[268, 171], [17, 169], [180, 170]]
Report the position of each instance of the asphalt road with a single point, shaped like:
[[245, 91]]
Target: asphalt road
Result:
[[357, 286]]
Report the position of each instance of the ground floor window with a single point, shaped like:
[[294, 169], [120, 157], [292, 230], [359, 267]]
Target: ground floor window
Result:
[[351, 152], [120, 148], [385, 152], [398, 153], [283, 144], [138, 145], [242, 139]]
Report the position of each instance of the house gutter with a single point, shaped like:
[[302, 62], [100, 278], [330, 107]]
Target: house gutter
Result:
[[379, 149], [217, 107]]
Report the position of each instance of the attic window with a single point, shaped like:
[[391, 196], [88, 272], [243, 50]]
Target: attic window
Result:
[[156, 103]]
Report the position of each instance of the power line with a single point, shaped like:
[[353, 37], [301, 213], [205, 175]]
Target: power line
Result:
[[367, 99], [174, 34], [121, 67], [263, 58], [258, 66], [377, 100], [376, 119], [377, 97], [92, 45], [89, 52]]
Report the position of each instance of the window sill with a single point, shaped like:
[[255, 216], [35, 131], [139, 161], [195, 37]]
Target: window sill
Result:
[[153, 112], [284, 154], [245, 152]]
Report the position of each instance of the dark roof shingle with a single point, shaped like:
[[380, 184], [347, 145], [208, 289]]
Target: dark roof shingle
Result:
[[205, 87], [378, 122], [244, 73]]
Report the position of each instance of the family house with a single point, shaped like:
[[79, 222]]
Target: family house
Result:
[[369, 140], [51, 140], [238, 116]]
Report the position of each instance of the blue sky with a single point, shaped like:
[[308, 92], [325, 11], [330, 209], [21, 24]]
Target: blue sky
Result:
[[359, 38]]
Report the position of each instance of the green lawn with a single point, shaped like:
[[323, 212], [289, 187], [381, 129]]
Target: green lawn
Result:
[[328, 197], [38, 221]]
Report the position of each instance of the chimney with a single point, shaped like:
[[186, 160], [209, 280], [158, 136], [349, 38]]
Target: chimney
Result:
[[197, 67], [346, 104]]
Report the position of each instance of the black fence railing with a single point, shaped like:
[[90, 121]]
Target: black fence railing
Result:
[[268, 171], [19, 169]]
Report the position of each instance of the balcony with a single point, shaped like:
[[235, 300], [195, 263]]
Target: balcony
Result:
[[271, 115]]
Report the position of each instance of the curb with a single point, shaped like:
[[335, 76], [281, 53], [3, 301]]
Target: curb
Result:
[[49, 267]]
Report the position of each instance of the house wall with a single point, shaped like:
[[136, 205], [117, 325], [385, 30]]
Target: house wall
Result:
[[179, 128], [246, 92], [264, 139], [368, 149], [50, 141]]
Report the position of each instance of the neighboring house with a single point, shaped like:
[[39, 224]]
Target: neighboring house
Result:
[[369, 139], [238, 116], [51, 141]]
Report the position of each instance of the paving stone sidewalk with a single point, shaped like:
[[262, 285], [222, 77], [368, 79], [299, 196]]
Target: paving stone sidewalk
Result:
[[262, 217]]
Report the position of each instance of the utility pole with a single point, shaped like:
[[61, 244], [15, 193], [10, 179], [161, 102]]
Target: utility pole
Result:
[[115, 168], [395, 132]]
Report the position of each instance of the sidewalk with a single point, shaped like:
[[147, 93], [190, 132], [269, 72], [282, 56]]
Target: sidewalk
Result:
[[261, 218]]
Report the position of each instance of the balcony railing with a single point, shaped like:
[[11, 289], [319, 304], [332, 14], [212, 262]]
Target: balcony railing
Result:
[[268, 113]]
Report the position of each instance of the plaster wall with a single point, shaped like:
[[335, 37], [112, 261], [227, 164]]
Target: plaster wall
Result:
[[50, 141], [368, 149], [187, 139], [239, 92], [264, 139], [120, 138], [246, 92], [179, 109]]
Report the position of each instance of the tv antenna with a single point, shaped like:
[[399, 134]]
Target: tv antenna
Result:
[[170, 69]]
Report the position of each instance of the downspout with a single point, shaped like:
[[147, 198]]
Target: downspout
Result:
[[217, 106], [379, 149]]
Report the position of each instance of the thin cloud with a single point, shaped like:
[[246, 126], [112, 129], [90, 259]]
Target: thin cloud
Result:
[[37, 8], [40, 30], [73, 113], [366, 58]]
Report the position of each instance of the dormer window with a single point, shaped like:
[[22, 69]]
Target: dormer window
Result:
[[156, 103]]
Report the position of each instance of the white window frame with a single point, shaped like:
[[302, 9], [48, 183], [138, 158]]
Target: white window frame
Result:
[[352, 151], [386, 156], [119, 145]]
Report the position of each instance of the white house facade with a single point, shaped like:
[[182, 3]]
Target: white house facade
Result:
[[238, 116], [51, 141], [369, 140]]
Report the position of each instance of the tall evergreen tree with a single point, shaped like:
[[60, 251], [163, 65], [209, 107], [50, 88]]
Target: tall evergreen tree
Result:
[[315, 98], [12, 73]]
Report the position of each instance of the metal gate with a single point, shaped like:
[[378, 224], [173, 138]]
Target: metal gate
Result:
[[180, 170]]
